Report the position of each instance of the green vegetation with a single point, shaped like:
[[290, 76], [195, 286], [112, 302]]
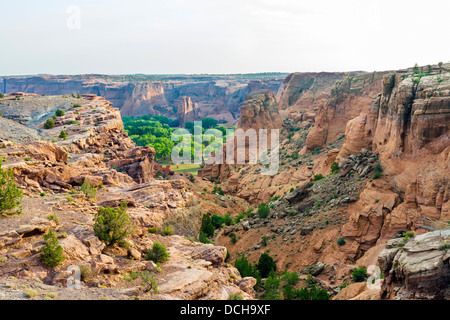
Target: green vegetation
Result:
[[312, 294], [167, 231], [156, 132], [76, 105], [112, 225], [49, 124], [10, 195], [153, 230], [378, 169], [233, 238], [218, 190], [334, 167], [236, 296], [217, 221], [265, 265], [89, 191], [158, 253], [318, 177], [263, 210], [341, 241], [2, 95], [246, 269], [59, 113], [63, 135], [52, 253], [207, 225], [53, 217], [359, 274], [271, 286]]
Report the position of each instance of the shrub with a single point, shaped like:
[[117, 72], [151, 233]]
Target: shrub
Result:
[[217, 221], [264, 241], [263, 210], [89, 191], [167, 231], [313, 294], [42, 194], [239, 217], [158, 253], [153, 230], [203, 238], [218, 190], [233, 238], [76, 105], [359, 274], [266, 265], [341, 241], [30, 293], [53, 217], [51, 253], [59, 113], [228, 219], [236, 296], [112, 225], [49, 124], [335, 167], [2, 95], [207, 225], [318, 177], [291, 278], [63, 135], [10, 195]]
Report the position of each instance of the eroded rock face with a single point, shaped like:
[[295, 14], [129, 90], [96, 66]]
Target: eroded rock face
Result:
[[408, 125], [258, 111], [417, 269]]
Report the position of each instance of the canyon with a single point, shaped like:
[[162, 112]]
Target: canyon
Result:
[[363, 181], [185, 98]]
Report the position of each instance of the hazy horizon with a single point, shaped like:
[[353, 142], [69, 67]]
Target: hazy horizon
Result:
[[180, 37]]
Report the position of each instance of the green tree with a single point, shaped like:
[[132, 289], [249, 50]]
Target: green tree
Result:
[[208, 123], [112, 225], [49, 124], [59, 113], [63, 135], [52, 253], [217, 221], [271, 286], [265, 265], [246, 269], [207, 225], [10, 195]]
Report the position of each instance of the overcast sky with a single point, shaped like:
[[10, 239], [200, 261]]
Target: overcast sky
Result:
[[220, 36]]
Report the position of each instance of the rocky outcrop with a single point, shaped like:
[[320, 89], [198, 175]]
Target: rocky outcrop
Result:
[[349, 97], [303, 94], [187, 111], [417, 268], [258, 111], [408, 125]]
